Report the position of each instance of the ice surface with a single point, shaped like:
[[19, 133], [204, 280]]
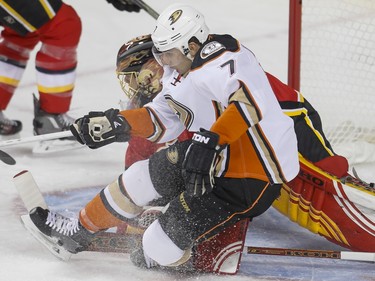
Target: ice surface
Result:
[[76, 175]]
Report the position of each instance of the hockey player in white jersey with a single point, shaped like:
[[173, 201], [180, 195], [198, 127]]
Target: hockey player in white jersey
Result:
[[243, 149]]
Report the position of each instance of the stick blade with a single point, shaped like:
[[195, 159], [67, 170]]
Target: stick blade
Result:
[[29, 190], [6, 158]]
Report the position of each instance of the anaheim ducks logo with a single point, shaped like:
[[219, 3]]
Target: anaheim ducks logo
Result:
[[172, 155], [175, 16]]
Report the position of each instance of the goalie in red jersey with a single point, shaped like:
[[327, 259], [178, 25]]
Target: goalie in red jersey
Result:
[[140, 76]]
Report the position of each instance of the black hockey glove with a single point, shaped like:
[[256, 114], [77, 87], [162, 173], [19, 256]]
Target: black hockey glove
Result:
[[198, 166], [125, 5], [101, 128]]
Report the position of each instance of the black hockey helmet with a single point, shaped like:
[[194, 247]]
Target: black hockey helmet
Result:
[[134, 53], [137, 71]]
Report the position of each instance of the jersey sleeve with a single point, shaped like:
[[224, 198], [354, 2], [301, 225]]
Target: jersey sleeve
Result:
[[139, 121], [155, 122]]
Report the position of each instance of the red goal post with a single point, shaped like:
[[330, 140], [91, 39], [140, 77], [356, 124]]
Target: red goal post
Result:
[[332, 63]]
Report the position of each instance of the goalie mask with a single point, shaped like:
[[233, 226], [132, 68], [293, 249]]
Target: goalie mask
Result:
[[176, 26], [138, 72]]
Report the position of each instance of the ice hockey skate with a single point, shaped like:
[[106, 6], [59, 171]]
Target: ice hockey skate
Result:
[[8, 126], [46, 123], [59, 232], [139, 259]]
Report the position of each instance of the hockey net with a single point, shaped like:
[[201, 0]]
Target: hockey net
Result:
[[334, 68]]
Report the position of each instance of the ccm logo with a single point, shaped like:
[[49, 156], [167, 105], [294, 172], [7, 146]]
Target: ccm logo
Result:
[[314, 180], [200, 138]]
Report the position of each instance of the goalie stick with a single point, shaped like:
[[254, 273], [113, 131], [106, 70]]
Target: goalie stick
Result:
[[119, 243], [115, 243], [32, 197]]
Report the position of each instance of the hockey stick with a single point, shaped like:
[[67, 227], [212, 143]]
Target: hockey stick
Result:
[[117, 243], [120, 243], [341, 255], [146, 8], [52, 136], [7, 159]]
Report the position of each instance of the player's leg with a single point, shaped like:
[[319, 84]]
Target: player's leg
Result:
[[189, 220], [14, 55], [158, 178], [314, 146], [56, 63], [120, 201]]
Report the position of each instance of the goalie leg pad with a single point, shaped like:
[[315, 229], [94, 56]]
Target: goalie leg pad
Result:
[[222, 253], [319, 202]]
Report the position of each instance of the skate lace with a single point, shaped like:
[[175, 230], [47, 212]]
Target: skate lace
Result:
[[65, 120], [63, 225]]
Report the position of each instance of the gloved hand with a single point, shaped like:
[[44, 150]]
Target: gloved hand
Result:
[[199, 162], [124, 5], [101, 128]]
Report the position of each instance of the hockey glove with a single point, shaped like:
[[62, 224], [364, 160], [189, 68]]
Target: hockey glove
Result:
[[101, 128], [198, 166], [124, 5]]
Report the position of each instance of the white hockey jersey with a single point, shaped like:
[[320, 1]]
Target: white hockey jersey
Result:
[[227, 92]]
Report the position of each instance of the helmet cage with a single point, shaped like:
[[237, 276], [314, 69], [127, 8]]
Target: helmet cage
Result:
[[128, 83]]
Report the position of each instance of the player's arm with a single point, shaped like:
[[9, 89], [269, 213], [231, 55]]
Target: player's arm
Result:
[[156, 123], [231, 125], [140, 122], [97, 128]]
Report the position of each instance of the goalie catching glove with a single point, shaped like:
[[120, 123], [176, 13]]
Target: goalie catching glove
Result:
[[199, 162], [101, 128]]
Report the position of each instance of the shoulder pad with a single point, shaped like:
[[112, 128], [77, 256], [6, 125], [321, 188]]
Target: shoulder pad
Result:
[[214, 47]]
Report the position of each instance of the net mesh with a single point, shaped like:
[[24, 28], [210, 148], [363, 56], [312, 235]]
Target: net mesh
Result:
[[338, 67]]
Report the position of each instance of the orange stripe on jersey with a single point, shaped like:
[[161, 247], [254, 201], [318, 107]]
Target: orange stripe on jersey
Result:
[[242, 160], [232, 128], [140, 122], [230, 125], [144, 123]]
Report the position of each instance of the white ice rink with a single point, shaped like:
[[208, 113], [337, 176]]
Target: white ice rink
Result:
[[262, 25]]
